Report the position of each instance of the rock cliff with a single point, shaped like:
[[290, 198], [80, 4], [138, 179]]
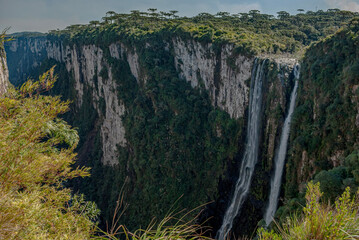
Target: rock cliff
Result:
[[100, 76], [222, 74], [4, 73]]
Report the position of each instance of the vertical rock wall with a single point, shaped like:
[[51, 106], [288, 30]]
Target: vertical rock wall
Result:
[[223, 74], [4, 73]]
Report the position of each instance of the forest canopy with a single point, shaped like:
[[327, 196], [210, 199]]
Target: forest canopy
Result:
[[251, 32]]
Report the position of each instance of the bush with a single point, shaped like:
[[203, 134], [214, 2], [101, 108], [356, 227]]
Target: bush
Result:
[[319, 220], [36, 154]]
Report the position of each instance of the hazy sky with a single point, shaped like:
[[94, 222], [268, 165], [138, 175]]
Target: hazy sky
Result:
[[44, 15]]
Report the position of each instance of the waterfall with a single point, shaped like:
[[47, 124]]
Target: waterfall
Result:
[[251, 150], [279, 159]]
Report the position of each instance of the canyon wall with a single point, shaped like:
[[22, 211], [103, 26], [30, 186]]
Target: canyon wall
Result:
[[195, 63], [4, 72], [111, 82]]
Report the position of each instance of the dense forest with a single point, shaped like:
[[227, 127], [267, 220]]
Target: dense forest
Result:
[[183, 148], [252, 32]]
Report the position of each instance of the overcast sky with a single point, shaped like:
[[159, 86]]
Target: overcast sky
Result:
[[44, 15]]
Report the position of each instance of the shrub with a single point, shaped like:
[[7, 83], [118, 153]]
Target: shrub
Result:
[[319, 220], [36, 154]]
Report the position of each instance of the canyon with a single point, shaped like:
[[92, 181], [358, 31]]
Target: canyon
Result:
[[172, 116]]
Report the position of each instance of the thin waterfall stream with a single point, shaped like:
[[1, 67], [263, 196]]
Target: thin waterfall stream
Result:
[[250, 156], [279, 159]]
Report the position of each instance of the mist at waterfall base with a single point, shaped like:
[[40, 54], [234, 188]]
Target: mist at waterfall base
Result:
[[281, 153], [250, 156]]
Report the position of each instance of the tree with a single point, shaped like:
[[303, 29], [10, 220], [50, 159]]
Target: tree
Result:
[[110, 13], [300, 10], [244, 16], [94, 23], [173, 12], [253, 13], [282, 15], [352, 162], [153, 12], [36, 154], [165, 14], [330, 183], [110, 16], [222, 14], [204, 16], [135, 14]]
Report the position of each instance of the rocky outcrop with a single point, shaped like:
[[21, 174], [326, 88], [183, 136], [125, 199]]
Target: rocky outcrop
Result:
[[4, 73]]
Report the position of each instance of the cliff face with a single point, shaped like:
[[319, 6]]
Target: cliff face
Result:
[[148, 119], [222, 74], [4, 73], [196, 63], [84, 63], [325, 122]]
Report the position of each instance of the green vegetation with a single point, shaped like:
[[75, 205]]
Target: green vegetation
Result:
[[325, 124], [36, 154], [251, 32], [177, 143], [320, 220], [324, 127]]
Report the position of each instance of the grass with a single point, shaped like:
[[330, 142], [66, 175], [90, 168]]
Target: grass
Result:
[[174, 226], [321, 221]]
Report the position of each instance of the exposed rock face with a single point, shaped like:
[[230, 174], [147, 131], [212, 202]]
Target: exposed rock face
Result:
[[223, 75], [4, 73], [119, 50], [31, 52], [86, 63]]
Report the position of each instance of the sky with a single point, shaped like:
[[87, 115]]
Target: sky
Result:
[[45, 15]]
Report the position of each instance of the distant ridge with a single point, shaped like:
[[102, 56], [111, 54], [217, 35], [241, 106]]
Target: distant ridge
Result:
[[27, 34]]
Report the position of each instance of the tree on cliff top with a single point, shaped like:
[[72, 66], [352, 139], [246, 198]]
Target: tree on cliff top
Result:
[[36, 154]]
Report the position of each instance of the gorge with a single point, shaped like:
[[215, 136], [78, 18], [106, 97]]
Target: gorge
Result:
[[182, 111]]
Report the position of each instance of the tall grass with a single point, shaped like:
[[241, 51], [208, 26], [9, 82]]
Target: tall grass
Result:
[[174, 226], [321, 221]]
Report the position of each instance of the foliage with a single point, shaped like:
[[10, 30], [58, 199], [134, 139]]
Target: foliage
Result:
[[3, 38], [324, 126], [169, 228], [36, 154], [172, 226], [319, 220], [252, 32], [177, 142]]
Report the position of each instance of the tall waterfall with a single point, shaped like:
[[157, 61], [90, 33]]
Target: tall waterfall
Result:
[[280, 155], [251, 150]]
